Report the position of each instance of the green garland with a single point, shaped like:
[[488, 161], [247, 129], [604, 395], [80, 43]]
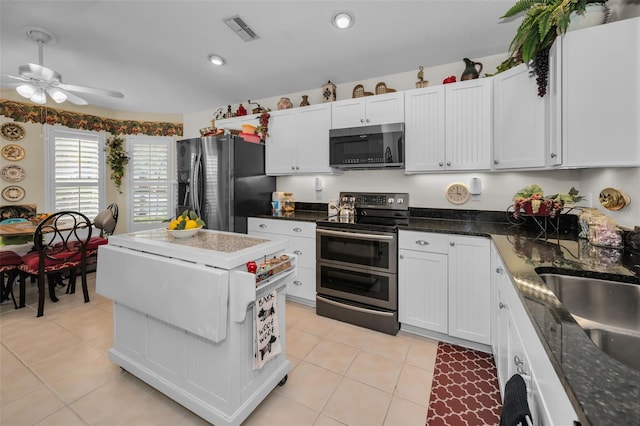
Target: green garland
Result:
[[117, 158]]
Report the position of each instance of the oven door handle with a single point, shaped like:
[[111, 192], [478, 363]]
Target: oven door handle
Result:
[[373, 237], [355, 308]]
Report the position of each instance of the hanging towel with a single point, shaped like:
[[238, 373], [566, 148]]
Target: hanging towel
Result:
[[515, 409], [267, 331]]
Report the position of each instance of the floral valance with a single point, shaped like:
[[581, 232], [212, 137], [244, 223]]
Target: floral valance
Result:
[[27, 113]]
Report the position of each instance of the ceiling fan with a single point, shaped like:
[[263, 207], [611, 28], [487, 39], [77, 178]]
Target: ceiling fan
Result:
[[38, 80]]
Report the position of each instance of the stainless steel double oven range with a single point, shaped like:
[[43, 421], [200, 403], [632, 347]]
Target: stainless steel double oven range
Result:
[[357, 267]]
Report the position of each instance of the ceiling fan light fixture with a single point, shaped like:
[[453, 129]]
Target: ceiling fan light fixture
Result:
[[217, 60], [343, 20], [26, 90], [39, 97], [57, 95]]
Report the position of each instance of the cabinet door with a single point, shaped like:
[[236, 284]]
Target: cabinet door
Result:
[[424, 129], [280, 150], [553, 154], [469, 124], [384, 109], [312, 133], [499, 317], [469, 289], [422, 290], [348, 113], [520, 129], [601, 95]]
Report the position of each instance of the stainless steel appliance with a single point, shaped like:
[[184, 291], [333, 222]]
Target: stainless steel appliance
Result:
[[367, 147], [223, 180], [356, 261]]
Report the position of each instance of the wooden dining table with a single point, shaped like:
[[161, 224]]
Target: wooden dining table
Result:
[[17, 229]]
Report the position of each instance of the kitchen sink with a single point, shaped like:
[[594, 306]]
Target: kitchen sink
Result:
[[608, 311]]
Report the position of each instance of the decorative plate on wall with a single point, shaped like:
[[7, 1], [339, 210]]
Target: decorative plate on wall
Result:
[[12, 131], [12, 173], [13, 152], [13, 193]]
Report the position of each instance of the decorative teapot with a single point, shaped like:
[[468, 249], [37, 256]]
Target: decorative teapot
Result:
[[347, 209], [471, 72]]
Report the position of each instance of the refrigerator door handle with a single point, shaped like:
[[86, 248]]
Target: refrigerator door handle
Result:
[[195, 184]]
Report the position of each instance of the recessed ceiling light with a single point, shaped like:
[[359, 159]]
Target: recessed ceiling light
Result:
[[217, 60], [343, 20]]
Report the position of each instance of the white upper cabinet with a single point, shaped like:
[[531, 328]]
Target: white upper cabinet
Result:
[[449, 127], [520, 120], [237, 122], [601, 95], [424, 129], [298, 140], [368, 110], [469, 124]]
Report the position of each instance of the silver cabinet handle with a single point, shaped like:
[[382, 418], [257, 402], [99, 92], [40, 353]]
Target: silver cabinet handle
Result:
[[297, 168], [401, 256], [367, 120], [262, 225], [448, 163], [362, 120], [501, 305], [499, 270], [452, 244], [495, 161], [422, 242], [297, 252], [297, 230], [441, 164], [296, 282], [553, 155]]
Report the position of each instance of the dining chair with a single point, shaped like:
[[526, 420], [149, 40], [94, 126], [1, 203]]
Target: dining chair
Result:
[[60, 242], [9, 263]]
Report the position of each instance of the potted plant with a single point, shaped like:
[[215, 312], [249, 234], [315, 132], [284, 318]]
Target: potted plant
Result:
[[531, 201], [543, 21]]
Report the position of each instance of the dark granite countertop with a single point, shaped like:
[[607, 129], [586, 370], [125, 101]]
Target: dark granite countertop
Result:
[[602, 390]]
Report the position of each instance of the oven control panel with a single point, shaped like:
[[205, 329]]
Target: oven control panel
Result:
[[379, 200]]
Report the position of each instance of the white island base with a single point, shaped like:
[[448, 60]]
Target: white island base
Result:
[[187, 329]]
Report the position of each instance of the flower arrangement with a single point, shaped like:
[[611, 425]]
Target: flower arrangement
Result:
[[117, 159], [532, 201]]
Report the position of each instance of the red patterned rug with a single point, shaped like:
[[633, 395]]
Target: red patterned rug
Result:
[[464, 389]]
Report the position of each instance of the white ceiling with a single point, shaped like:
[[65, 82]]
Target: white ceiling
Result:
[[155, 52]]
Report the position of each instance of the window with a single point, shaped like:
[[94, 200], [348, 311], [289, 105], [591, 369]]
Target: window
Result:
[[150, 188], [74, 170]]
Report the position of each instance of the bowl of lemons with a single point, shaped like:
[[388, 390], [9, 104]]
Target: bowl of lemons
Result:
[[186, 225]]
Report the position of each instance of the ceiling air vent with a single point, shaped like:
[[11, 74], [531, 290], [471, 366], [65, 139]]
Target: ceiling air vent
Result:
[[240, 28]]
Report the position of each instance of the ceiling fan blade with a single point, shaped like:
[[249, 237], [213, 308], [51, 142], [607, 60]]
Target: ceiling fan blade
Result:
[[16, 77], [90, 90], [39, 72], [77, 100]]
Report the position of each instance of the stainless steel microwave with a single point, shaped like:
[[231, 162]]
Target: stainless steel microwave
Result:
[[367, 147]]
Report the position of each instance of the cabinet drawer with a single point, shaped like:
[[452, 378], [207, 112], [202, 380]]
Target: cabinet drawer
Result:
[[304, 285], [423, 241], [283, 227], [305, 250]]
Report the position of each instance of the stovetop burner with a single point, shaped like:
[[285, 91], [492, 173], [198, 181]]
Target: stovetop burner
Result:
[[374, 211]]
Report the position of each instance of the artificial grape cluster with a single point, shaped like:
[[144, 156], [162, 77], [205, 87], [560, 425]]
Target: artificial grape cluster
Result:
[[541, 68]]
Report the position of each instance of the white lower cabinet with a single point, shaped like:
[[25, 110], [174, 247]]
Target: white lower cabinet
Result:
[[444, 283], [518, 350], [302, 243], [422, 281]]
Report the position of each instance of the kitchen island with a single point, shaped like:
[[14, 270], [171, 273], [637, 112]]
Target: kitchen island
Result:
[[185, 315]]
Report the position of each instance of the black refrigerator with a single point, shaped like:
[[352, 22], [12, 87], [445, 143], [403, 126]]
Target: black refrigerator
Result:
[[223, 180]]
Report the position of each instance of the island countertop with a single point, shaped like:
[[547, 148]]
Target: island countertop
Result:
[[226, 250]]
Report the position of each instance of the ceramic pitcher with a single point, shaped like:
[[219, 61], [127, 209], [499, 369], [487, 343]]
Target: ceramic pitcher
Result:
[[470, 72]]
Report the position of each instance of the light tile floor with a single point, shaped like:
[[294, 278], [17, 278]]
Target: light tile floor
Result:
[[54, 370]]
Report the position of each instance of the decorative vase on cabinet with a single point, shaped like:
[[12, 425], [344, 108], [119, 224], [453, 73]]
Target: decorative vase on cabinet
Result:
[[284, 103]]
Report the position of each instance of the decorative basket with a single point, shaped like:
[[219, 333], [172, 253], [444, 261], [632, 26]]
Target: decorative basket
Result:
[[358, 92], [381, 88]]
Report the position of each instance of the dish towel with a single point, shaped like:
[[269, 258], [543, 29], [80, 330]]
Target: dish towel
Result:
[[515, 409], [267, 332]]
